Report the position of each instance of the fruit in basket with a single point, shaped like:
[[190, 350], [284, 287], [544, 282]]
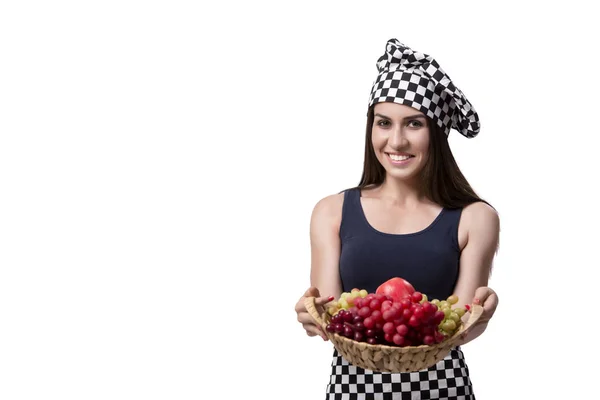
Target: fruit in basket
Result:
[[346, 301], [381, 318], [396, 288]]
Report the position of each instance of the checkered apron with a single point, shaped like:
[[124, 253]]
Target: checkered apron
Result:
[[448, 379]]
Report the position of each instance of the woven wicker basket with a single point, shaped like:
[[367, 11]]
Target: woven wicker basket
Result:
[[382, 358]]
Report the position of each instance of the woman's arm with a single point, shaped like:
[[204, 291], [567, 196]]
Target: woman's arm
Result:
[[476, 258], [325, 254], [326, 245]]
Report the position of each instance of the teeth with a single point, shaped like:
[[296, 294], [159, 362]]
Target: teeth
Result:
[[399, 158]]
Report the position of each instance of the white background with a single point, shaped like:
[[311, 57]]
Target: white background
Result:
[[159, 163]]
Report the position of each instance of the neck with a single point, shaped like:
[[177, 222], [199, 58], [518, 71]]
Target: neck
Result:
[[402, 193]]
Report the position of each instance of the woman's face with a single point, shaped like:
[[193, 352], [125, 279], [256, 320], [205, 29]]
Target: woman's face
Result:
[[400, 131]]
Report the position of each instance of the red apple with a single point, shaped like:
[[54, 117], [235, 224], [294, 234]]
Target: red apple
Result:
[[396, 288]]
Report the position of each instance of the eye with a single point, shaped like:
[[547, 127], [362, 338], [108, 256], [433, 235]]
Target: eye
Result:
[[383, 122]]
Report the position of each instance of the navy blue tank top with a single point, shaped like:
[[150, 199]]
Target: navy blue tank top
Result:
[[428, 259]]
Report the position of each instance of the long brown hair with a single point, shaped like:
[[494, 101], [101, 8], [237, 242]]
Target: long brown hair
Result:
[[441, 178]]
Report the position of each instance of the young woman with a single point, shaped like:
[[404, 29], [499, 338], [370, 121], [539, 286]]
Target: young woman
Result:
[[413, 215]]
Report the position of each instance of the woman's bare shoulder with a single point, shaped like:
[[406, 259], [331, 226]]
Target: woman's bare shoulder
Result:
[[330, 207], [480, 210], [331, 204], [481, 219]]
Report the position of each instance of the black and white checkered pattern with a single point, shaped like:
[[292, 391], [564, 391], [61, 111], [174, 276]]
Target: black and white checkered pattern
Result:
[[448, 379], [415, 79]]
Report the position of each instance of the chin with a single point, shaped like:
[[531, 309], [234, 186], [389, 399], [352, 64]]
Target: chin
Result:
[[403, 175]]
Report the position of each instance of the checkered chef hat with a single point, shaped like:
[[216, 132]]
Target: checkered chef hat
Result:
[[416, 79]]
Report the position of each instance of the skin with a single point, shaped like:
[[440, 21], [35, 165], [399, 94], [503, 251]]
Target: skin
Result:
[[398, 207]]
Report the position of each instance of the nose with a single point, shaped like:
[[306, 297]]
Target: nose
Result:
[[397, 139]]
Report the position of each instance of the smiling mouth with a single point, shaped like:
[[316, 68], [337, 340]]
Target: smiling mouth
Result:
[[395, 157]]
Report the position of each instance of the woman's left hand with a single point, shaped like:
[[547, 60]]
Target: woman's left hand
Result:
[[488, 299]]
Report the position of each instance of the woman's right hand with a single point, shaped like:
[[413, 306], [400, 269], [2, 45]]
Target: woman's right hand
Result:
[[308, 323]]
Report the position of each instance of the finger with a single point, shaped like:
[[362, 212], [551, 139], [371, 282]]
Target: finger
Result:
[[324, 300], [481, 294], [319, 302], [306, 318], [491, 303], [314, 330], [307, 321], [300, 306], [489, 308], [309, 331]]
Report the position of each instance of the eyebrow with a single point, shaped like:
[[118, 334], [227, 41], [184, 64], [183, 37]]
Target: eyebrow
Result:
[[409, 117]]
